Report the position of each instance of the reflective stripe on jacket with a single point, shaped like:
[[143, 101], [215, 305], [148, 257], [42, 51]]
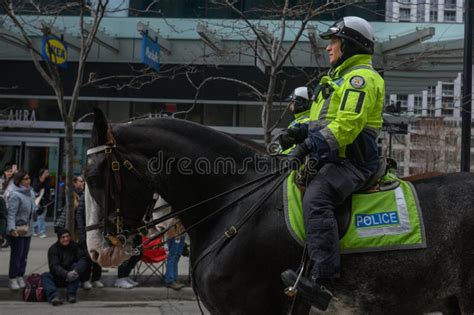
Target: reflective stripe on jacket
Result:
[[346, 116]]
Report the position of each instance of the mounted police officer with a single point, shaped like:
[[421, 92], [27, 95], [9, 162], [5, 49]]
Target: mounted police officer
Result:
[[297, 130], [345, 120]]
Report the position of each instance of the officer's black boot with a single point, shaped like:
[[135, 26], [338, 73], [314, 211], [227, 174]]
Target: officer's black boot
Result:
[[313, 291]]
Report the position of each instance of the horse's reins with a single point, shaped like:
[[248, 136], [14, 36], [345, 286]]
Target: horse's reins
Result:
[[268, 177], [113, 158], [113, 161]]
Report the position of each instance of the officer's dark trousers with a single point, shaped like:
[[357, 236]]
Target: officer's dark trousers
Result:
[[329, 188]]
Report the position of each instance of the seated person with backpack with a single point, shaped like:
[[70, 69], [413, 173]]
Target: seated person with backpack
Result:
[[66, 260]]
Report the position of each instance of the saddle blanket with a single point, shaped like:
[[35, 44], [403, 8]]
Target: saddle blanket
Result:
[[380, 221]]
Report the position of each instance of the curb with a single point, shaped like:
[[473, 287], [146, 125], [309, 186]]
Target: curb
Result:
[[115, 294]]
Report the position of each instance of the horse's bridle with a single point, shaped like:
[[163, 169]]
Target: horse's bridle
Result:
[[113, 188], [119, 237]]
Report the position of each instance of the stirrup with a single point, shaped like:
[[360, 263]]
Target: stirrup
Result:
[[291, 291]]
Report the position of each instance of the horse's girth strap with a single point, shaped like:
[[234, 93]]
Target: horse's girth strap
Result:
[[93, 227]]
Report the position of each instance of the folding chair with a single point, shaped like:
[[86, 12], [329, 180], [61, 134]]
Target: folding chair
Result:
[[152, 261]]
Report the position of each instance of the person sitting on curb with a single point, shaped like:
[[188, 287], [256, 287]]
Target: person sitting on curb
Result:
[[66, 260]]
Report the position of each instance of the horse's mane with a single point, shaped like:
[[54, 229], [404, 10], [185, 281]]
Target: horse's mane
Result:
[[196, 132], [250, 143]]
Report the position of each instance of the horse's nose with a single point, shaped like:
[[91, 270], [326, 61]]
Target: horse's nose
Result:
[[94, 255]]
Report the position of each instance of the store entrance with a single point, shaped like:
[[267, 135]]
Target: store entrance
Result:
[[31, 154]]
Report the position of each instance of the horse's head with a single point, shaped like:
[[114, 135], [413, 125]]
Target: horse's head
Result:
[[117, 195]]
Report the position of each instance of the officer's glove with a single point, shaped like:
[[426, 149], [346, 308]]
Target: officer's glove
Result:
[[71, 276], [299, 134], [286, 141], [296, 157]]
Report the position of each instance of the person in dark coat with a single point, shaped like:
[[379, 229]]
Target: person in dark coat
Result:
[[91, 277], [67, 261], [42, 189]]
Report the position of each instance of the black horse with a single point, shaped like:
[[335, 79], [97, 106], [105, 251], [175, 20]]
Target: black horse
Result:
[[242, 274]]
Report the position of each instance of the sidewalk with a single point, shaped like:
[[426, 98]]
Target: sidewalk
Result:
[[152, 290]]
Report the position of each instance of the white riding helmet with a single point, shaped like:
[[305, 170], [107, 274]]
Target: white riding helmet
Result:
[[301, 91], [301, 98], [354, 29]]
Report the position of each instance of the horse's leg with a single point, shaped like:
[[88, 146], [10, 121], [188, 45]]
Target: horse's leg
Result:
[[466, 298], [451, 307], [296, 306]]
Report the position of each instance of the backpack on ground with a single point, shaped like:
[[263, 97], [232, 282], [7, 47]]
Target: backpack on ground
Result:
[[33, 291]]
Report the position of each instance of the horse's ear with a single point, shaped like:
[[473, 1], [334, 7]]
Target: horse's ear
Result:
[[101, 125]]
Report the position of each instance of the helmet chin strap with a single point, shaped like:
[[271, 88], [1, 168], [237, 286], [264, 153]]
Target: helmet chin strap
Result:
[[343, 57]]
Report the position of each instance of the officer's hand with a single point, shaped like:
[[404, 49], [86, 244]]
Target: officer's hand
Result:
[[286, 141], [71, 276], [296, 157], [299, 134]]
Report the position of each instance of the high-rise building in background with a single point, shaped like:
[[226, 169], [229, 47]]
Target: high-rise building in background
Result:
[[437, 11], [433, 141]]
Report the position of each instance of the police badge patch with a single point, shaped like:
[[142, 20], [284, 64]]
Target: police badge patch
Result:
[[357, 82]]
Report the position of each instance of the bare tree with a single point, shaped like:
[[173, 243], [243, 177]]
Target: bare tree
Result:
[[434, 145], [50, 71], [273, 51]]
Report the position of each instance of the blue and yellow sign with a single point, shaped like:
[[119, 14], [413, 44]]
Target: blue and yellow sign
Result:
[[54, 50]]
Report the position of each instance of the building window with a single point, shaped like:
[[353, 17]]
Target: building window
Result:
[[398, 155], [450, 4], [446, 112], [448, 89], [433, 16], [418, 104], [416, 139], [431, 90], [451, 140], [403, 100], [447, 102], [450, 16], [405, 14]]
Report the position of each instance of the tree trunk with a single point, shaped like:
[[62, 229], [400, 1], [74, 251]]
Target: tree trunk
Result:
[[69, 158], [267, 112]]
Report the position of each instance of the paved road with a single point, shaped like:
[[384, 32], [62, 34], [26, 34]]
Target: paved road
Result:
[[169, 307]]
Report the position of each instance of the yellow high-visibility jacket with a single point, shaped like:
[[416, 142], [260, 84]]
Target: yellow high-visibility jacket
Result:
[[346, 115]]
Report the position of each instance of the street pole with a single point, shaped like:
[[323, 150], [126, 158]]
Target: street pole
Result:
[[467, 89]]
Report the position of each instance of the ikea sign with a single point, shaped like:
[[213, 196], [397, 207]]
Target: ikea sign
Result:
[[150, 53], [54, 51]]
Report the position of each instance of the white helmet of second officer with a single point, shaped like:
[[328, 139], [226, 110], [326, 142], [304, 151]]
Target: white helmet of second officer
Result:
[[299, 100]]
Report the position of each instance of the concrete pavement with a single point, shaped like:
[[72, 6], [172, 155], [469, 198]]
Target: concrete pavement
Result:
[[169, 307], [150, 290]]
